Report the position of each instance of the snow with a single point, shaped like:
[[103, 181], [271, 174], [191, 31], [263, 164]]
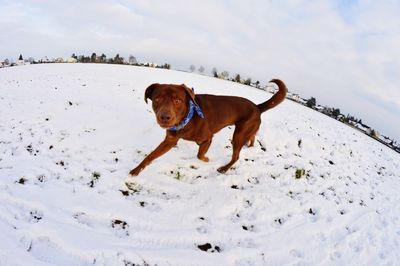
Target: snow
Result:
[[70, 134]]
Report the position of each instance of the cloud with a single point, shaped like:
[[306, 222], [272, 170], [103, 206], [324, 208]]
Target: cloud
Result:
[[340, 52]]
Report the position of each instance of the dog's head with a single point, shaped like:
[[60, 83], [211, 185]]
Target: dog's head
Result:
[[170, 102]]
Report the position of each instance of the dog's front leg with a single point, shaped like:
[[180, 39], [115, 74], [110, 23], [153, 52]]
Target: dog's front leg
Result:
[[203, 149], [169, 142]]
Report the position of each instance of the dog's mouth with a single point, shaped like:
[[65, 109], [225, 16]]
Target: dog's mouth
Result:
[[165, 125]]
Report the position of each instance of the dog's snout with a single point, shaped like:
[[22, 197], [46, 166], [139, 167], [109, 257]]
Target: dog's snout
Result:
[[165, 117]]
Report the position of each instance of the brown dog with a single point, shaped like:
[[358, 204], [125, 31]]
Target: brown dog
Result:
[[198, 117]]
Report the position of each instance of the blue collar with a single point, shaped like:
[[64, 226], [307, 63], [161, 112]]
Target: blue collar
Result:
[[192, 108]]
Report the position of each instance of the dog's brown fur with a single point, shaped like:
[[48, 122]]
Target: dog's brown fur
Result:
[[170, 105]]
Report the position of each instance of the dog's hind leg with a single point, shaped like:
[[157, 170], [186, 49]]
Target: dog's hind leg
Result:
[[251, 141], [244, 132]]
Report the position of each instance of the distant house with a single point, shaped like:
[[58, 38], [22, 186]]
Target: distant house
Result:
[[270, 89], [341, 118], [373, 133], [352, 123], [386, 140], [293, 97], [45, 60], [255, 84], [72, 60], [363, 127], [323, 109], [21, 63], [98, 59]]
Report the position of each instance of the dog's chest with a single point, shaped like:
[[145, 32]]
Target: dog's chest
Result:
[[195, 131]]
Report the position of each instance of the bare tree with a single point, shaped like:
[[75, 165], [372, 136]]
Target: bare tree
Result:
[[118, 59], [214, 72], [237, 78], [224, 74], [93, 58], [132, 60], [201, 69], [312, 102]]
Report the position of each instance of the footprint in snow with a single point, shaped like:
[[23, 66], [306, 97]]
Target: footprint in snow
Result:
[[249, 228], [279, 221], [202, 225], [207, 247], [296, 253], [45, 250], [35, 216], [82, 218], [153, 207], [313, 214], [246, 243], [121, 228]]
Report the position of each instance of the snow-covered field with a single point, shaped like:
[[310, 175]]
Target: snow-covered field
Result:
[[70, 134]]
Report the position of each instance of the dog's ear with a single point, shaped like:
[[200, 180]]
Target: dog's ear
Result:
[[149, 91], [190, 92]]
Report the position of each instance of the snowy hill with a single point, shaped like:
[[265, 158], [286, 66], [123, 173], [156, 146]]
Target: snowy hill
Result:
[[70, 134]]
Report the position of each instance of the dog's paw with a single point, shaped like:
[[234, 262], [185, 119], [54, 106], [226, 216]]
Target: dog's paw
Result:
[[204, 159], [222, 169], [136, 171]]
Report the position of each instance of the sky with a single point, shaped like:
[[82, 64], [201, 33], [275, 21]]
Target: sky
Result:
[[344, 53]]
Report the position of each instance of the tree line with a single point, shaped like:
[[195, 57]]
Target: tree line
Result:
[[93, 58], [225, 75], [117, 59]]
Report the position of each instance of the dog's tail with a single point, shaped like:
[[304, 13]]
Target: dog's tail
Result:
[[276, 99]]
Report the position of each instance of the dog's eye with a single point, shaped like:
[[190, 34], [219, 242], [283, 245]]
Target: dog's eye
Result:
[[157, 99]]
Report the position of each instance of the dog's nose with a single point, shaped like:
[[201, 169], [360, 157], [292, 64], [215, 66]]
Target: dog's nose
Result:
[[165, 117]]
